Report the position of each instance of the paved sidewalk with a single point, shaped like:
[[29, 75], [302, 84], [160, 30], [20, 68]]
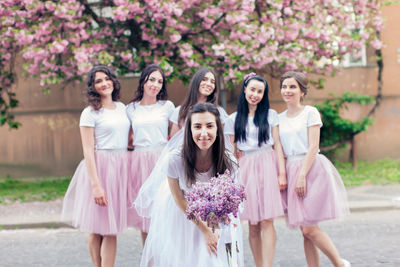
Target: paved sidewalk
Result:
[[47, 214]]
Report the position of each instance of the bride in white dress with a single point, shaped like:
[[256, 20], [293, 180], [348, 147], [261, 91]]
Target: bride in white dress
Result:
[[173, 240]]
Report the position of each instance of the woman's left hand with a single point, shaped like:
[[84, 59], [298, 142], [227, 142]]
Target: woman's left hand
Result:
[[282, 181], [301, 186]]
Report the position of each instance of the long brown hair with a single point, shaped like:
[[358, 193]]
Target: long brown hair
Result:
[[93, 98], [144, 77], [220, 158], [192, 98]]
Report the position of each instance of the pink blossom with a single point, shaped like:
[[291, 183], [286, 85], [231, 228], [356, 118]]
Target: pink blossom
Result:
[[126, 55], [186, 51], [120, 13], [6, 56], [230, 35], [377, 44], [81, 56], [58, 47], [178, 12], [175, 37], [288, 11], [121, 2], [23, 38], [134, 8]]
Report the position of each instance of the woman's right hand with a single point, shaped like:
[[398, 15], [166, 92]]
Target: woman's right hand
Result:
[[99, 196], [301, 188], [211, 241]]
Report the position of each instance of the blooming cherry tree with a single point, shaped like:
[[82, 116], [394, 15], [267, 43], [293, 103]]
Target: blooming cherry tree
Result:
[[61, 40]]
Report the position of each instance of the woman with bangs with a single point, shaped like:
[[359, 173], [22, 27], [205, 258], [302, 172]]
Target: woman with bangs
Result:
[[262, 167]]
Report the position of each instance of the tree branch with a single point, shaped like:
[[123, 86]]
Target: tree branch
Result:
[[88, 10], [378, 97]]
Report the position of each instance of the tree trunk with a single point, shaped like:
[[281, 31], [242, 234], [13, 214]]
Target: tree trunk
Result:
[[353, 152], [222, 87]]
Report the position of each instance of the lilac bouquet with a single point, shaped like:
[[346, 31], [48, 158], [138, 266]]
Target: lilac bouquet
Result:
[[215, 201]]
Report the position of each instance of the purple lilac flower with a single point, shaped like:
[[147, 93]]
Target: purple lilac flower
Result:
[[215, 201]]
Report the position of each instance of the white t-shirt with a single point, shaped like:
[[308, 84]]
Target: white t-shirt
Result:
[[251, 142], [176, 170], [111, 126], [293, 132], [150, 123], [225, 120]]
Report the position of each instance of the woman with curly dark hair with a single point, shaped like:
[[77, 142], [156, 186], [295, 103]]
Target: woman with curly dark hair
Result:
[[94, 200]]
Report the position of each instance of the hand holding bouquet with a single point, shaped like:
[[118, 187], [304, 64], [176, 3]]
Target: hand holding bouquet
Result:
[[215, 201]]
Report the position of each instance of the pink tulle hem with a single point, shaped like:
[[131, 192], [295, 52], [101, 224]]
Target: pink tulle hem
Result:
[[79, 208], [325, 199], [259, 173], [141, 164]]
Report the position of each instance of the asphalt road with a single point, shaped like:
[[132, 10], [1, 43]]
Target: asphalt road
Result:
[[363, 238]]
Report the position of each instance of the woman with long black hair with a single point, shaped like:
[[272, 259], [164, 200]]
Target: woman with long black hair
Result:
[[262, 166]]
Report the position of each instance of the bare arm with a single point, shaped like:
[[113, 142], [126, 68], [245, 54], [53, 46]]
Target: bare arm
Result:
[[235, 151], [87, 137], [210, 237], [130, 139], [232, 140], [174, 129], [282, 181], [313, 146]]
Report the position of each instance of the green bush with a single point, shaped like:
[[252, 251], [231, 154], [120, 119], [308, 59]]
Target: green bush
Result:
[[336, 130]]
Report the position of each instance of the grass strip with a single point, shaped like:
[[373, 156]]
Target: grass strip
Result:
[[379, 172], [32, 189]]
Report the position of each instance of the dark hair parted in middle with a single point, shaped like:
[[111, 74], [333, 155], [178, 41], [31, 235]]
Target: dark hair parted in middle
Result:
[[144, 77], [260, 117], [192, 98], [93, 98], [220, 158]]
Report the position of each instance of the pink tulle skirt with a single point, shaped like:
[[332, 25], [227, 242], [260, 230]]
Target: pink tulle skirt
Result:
[[79, 208], [325, 198], [141, 163], [259, 173]]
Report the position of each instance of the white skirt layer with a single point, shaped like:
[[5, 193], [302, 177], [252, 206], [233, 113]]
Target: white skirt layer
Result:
[[174, 241]]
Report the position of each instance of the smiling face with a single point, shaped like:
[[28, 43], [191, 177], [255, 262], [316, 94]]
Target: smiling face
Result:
[[153, 85], [103, 84], [291, 92], [204, 129], [254, 92], [207, 85]]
